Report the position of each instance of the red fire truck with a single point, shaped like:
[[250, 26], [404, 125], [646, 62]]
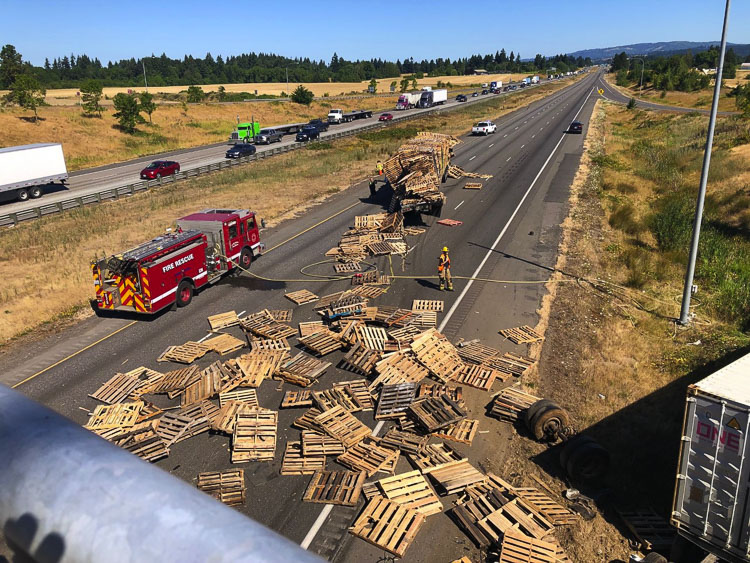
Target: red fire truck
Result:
[[171, 267]]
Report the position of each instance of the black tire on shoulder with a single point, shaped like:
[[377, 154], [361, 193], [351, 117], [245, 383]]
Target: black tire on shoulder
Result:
[[590, 462], [549, 422], [185, 292], [528, 416], [571, 446], [654, 557]]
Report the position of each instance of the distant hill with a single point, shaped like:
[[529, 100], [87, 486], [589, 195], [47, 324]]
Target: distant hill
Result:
[[657, 49]]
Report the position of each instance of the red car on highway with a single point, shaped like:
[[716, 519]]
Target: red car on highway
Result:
[[160, 168], [385, 117]]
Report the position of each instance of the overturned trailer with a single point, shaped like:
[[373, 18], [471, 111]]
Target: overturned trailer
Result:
[[416, 171]]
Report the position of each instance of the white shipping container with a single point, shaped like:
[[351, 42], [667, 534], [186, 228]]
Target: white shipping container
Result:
[[31, 165], [439, 96], [712, 494]]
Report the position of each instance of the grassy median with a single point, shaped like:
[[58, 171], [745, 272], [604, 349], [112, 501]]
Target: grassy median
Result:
[[44, 264]]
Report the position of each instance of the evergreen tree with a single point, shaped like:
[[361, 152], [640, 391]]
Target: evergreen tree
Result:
[[91, 93], [11, 65], [27, 93], [147, 104], [128, 112]]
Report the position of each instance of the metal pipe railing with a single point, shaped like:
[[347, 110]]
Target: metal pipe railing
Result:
[[68, 495]]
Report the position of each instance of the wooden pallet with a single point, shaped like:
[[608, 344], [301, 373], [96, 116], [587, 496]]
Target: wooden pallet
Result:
[[405, 335], [463, 431], [263, 325], [297, 399], [552, 511], [395, 400], [328, 398], [369, 291], [307, 421], [469, 511], [450, 222], [315, 443], [147, 379], [369, 456], [412, 490], [224, 344], [522, 335], [342, 425], [258, 366], [477, 376], [399, 367], [271, 344], [515, 515], [511, 403], [517, 547], [254, 436], [116, 389], [428, 305], [173, 427], [301, 297], [406, 442], [322, 342], [148, 411], [175, 380], [437, 354], [227, 417], [379, 248], [476, 352], [454, 393], [223, 320], [387, 525], [435, 413], [310, 327], [281, 315], [303, 370], [346, 268], [360, 359], [247, 396], [119, 415], [434, 456], [373, 338], [335, 487], [510, 363], [456, 476], [225, 486], [186, 353], [473, 186], [651, 530], [203, 414], [205, 387], [360, 391], [144, 443], [296, 462]]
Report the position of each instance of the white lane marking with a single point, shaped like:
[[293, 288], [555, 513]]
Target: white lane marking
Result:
[[473, 157], [208, 335], [516, 127], [541, 128], [534, 135], [492, 145], [455, 306], [241, 313], [459, 205], [522, 146], [412, 248], [505, 136], [320, 520], [509, 159], [547, 123]]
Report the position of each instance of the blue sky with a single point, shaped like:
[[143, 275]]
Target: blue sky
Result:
[[390, 30]]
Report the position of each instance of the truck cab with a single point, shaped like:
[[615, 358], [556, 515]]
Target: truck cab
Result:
[[245, 132], [335, 116]]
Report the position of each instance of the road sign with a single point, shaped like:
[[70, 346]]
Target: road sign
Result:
[[601, 91]]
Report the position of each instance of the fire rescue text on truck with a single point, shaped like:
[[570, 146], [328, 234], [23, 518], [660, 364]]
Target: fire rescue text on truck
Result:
[[171, 267]]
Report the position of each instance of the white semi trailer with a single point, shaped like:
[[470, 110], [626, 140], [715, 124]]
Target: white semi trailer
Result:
[[26, 169]]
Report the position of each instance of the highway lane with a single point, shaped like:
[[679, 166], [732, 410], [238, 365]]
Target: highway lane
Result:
[[86, 182], [515, 161]]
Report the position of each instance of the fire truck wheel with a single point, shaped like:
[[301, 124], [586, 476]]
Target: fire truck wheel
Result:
[[184, 293], [246, 258]]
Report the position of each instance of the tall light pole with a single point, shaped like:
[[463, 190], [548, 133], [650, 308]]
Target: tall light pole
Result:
[[143, 64], [688, 289], [643, 65]]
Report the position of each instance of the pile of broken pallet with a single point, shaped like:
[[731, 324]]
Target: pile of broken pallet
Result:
[[378, 234]]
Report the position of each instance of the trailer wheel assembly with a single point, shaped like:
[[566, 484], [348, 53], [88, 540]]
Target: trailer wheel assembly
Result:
[[654, 557], [22, 195], [547, 420], [584, 459], [35, 192], [184, 293]]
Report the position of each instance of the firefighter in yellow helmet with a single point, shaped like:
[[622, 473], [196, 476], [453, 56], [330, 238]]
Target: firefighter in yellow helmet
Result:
[[444, 270], [379, 168]]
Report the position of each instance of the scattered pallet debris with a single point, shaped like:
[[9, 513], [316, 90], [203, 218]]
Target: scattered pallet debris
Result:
[[387, 525], [301, 297], [413, 491], [394, 400], [335, 487], [254, 436], [116, 389], [342, 425], [652, 531], [297, 399], [223, 320], [522, 335], [450, 222], [315, 443], [296, 462], [225, 486], [463, 431], [473, 186]]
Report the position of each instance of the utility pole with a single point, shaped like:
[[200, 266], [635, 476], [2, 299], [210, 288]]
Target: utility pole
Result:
[[688, 289], [143, 63], [643, 65]]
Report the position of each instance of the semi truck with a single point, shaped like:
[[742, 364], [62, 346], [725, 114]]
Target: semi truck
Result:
[[432, 98], [535, 79], [408, 100], [711, 506], [338, 115], [245, 132], [496, 84], [26, 169], [170, 268]]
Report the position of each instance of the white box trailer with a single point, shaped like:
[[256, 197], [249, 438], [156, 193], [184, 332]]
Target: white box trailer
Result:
[[711, 506], [26, 168]]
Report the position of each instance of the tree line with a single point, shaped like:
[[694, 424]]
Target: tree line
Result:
[[70, 71]]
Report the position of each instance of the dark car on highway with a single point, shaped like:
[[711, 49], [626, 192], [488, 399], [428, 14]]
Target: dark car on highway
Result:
[[475, 95], [319, 124], [576, 127], [460, 98], [385, 117], [485, 92], [160, 168], [240, 150], [308, 133], [268, 136]]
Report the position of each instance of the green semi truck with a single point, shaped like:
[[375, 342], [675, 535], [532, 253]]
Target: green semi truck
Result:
[[245, 132]]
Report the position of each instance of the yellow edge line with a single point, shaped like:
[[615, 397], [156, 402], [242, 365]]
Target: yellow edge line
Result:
[[312, 227], [73, 354]]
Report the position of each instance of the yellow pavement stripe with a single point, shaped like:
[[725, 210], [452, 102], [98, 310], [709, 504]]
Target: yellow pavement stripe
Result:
[[312, 227]]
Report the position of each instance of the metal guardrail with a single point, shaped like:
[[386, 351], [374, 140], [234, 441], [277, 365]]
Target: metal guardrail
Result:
[[14, 218]]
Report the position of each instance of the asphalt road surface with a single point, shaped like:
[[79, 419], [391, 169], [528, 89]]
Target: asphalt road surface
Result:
[[91, 181], [510, 231]]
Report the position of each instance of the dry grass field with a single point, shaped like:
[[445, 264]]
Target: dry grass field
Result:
[[93, 141], [66, 243]]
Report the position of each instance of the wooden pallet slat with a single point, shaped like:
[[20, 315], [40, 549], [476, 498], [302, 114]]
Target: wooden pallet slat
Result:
[[224, 344], [223, 320], [342, 425], [254, 437], [387, 525], [303, 370], [456, 476], [118, 415], [435, 413], [315, 443], [225, 486], [301, 297], [473, 186], [395, 400], [361, 392], [335, 487], [463, 431], [477, 376], [369, 456], [322, 342], [116, 389], [428, 305], [521, 334], [412, 490], [297, 399], [247, 396], [296, 462]]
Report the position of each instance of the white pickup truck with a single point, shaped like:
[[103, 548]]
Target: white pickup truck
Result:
[[484, 128]]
